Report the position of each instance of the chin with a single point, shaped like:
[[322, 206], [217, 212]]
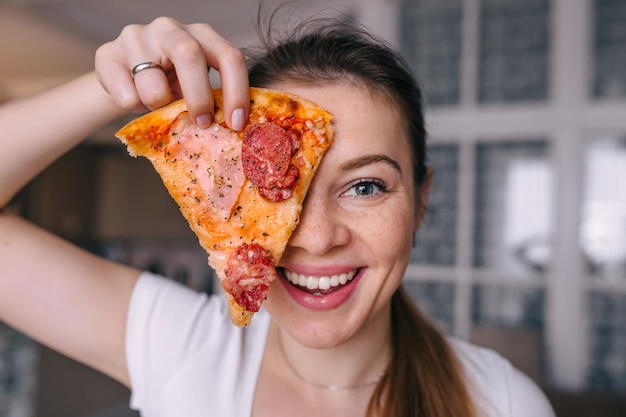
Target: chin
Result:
[[320, 329], [311, 328]]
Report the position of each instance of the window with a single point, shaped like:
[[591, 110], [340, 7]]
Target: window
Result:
[[436, 298], [607, 331], [603, 225], [513, 206], [514, 50], [436, 242], [526, 233], [609, 48], [431, 38], [603, 245], [17, 372]]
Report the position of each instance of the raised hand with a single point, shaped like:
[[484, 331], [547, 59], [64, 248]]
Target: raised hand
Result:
[[171, 60]]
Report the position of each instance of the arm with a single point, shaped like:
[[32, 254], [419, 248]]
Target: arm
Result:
[[58, 294], [64, 297], [46, 285]]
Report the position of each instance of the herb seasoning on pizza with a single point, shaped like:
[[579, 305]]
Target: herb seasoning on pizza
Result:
[[241, 192]]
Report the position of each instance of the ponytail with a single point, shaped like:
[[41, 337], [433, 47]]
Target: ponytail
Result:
[[424, 378]]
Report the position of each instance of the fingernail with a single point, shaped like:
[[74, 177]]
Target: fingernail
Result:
[[204, 120], [238, 119]]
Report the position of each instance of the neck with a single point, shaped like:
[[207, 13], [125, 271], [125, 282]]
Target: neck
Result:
[[356, 364], [355, 386]]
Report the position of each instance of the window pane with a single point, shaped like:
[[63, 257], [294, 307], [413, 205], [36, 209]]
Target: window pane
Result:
[[513, 221], [436, 299], [510, 320], [436, 239], [18, 367], [508, 306], [607, 365], [431, 41], [603, 227], [514, 50], [610, 48]]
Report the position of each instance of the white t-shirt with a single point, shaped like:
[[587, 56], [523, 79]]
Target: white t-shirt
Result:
[[185, 358]]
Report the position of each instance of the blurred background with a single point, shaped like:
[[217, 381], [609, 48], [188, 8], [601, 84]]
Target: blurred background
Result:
[[524, 247]]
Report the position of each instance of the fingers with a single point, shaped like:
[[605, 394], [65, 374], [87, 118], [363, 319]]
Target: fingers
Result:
[[231, 64], [191, 63], [116, 80], [147, 89], [198, 48], [152, 86], [185, 54]]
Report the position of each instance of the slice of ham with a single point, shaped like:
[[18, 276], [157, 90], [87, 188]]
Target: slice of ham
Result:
[[211, 159]]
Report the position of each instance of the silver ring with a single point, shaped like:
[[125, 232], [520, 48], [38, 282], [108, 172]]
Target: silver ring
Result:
[[144, 66]]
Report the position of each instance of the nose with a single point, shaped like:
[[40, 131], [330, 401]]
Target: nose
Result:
[[321, 227]]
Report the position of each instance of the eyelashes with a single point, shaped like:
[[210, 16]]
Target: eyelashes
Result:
[[366, 187]]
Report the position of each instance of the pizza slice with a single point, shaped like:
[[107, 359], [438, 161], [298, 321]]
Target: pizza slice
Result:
[[241, 192]]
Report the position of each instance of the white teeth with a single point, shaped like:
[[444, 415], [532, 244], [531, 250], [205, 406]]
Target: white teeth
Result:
[[312, 283], [322, 283], [300, 280]]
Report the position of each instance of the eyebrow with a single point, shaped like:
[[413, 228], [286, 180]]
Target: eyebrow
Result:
[[370, 159]]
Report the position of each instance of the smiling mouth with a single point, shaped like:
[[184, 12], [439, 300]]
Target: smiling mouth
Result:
[[319, 285]]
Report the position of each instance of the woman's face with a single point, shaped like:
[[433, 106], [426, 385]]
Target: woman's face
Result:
[[350, 250]]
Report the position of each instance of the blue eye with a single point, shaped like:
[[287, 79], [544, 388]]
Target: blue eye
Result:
[[366, 188]]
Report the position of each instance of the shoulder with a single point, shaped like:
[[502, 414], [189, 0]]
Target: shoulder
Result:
[[164, 307], [499, 388], [182, 343]]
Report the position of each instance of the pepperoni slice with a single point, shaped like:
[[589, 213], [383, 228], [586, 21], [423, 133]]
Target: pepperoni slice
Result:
[[249, 273], [266, 156]]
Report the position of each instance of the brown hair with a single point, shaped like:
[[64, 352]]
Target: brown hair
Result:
[[424, 377]]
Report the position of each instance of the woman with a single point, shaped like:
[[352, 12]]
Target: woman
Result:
[[361, 350]]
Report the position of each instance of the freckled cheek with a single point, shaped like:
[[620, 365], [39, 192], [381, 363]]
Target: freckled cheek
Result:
[[392, 233]]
